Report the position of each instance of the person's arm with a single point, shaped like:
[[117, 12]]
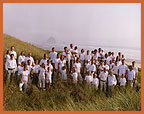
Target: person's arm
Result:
[[20, 78], [28, 78], [58, 67], [19, 60], [126, 73], [118, 72], [6, 65]]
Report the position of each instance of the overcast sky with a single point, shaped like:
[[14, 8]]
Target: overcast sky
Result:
[[106, 24]]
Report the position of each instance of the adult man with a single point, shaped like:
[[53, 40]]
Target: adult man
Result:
[[13, 52], [44, 60], [53, 55], [29, 57]]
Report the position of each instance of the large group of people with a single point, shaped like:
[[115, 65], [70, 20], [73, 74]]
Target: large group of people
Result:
[[96, 68]]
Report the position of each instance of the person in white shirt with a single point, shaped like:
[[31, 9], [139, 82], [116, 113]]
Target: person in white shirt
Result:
[[111, 83], [87, 56], [111, 65], [95, 54], [48, 78], [86, 66], [122, 70], [101, 67], [105, 65], [136, 72], [95, 81], [24, 78], [61, 63], [53, 55], [29, 57], [112, 56], [35, 71], [30, 69], [103, 79], [74, 76], [71, 51], [7, 56], [42, 76], [20, 68], [55, 66], [89, 78], [11, 67], [21, 57], [44, 60], [64, 73], [75, 54], [77, 65], [13, 52], [123, 81], [92, 67], [123, 57], [82, 55], [115, 69], [131, 76]]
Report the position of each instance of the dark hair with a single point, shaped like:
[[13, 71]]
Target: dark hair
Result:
[[7, 51]]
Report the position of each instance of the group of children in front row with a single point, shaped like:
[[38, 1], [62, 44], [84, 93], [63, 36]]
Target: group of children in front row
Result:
[[97, 68]]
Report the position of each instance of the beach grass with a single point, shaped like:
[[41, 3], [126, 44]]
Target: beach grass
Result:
[[64, 96]]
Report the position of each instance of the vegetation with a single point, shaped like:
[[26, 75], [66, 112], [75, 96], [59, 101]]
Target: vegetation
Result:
[[65, 96]]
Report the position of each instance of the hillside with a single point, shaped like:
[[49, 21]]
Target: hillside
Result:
[[64, 95]]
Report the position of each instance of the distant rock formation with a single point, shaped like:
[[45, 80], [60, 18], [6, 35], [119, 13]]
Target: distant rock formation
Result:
[[51, 40]]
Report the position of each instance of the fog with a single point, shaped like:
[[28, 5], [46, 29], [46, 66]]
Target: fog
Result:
[[105, 24]]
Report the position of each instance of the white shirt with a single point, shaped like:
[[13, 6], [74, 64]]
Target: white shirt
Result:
[[29, 68], [43, 61], [56, 61], [76, 51], [131, 75], [103, 76], [88, 78], [11, 64], [71, 50], [119, 63], [82, 56], [75, 76], [25, 75], [106, 66], [111, 66], [95, 82], [20, 69], [77, 66], [108, 59], [87, 57], [112, 80], [122, 81], [7, 57], [122, 69], [50, 66], [42, 72], [68, 55], [65, 55], [92, 67], [21, 59], [53, 55], [62, 63], [135, 69], [48, 76], [101, 67], [15, 54], [115, 69], [36, 68], [96, 56], [29, 58]]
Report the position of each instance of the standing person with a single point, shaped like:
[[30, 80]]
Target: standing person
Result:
[[115, 69], [44, 60], [77, 65], [123, 82], [42, 76], [106, 65], [74, 76], [103, 79], [89, 78], [95, 81], [87, 56], [20, 68], [75, 54], [86, 67], [71, 61], [64, 73], [35, 71], [30, 69], [55, 66], [7, 56], [122, 70], [111, 82], [111, 65], [136, 72], [48, 78], [92, 67], [53, 55], [131, 76], [29, 57], [10, 67], [13, 52], [21, 57], [82, 55], [24, 79]]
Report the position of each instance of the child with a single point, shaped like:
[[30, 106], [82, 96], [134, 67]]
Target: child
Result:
[[42, 75], [48, 78], [75, 76], [131, 76], [24, 78], [111, 82], [103, 79], [122, 81], [20, 69], [64, 75], [95, 81], [77, 65], [89, 78]]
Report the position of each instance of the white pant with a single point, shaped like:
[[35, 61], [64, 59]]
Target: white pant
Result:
[[103, 85], [64, 76], [79, 76], [25, 85], [41, 81]]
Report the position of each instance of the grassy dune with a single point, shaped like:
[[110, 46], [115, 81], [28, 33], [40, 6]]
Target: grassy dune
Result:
[[64, 95]]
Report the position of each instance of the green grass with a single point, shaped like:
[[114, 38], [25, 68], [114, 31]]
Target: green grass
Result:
[[65, 96]]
